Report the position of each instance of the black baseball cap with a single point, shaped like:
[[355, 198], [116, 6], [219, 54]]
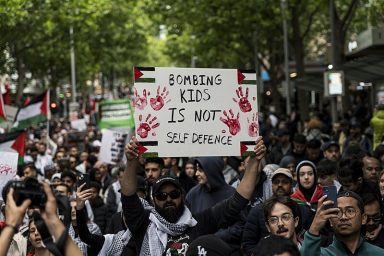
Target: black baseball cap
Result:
[[163, 180]]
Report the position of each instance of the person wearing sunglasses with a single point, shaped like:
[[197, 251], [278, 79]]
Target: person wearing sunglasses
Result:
[[346, 220], [282, 217], [374, 232], [169, 227]]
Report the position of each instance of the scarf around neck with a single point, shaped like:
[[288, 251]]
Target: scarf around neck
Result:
[[156, 238]]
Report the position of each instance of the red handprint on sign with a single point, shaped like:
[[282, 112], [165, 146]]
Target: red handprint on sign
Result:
[[253, 125], [243, 102], [232, 122], [158, 102], [140, 102], [146, 126]]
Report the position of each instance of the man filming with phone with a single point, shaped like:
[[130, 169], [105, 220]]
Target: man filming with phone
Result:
[[346, 220]]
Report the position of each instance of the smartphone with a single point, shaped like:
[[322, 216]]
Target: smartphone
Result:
[[331, 192], [83, 178]]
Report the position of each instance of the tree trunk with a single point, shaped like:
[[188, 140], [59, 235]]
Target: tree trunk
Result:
[[303, 99]]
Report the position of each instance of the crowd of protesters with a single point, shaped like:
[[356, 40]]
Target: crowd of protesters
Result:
[[271, 203]]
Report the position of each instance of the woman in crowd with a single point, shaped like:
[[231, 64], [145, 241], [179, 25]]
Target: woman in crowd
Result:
[[308, 192], [37, 243]]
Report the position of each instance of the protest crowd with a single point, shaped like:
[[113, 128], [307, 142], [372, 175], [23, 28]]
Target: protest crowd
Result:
[[311, 187]]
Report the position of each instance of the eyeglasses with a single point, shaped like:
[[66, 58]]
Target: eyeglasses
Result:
[[286, 217], [375, 218], [349, 212], [162, 196]]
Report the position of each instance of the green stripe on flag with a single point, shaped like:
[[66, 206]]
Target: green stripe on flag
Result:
[[145, 80], [26, 123], [252, 82], [150, 154]]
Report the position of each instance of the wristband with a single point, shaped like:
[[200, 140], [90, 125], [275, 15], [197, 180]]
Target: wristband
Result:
[[15, 229]]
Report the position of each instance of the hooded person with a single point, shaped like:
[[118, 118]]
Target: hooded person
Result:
[[211, 187], [308, 192], [289, 162]]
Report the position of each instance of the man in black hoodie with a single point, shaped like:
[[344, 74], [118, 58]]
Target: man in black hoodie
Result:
[[212, 187]]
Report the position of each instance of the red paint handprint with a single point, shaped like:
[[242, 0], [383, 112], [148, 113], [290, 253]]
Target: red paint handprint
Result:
[[158, 102], [140, 102], [146, 126], [253, 125], [232, 122], [243, 102]]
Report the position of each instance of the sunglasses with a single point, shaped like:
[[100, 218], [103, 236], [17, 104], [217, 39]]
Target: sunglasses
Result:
[[162, 196]]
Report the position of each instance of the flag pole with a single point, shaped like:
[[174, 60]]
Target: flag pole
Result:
[[48, 116]]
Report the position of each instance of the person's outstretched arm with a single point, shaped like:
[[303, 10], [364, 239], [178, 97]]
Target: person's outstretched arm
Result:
[[129, 181], [13, 217], [55, 227], [252, 171], [95, 242]]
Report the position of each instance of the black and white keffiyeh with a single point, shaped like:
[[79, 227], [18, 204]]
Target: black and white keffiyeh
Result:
[[156, 238]]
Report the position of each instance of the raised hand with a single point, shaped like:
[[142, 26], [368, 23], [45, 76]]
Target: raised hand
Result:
[[232, 122], [253, 126], [159, 100], [14, 214], [140, 102], [242, 100], [131, 149], [322, 215], [146, 126], [82, 196]]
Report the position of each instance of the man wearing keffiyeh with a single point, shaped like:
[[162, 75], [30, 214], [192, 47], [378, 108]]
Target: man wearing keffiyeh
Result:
[[169, 227]]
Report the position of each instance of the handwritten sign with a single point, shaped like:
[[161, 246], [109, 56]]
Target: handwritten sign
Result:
[[195, 112], [8, 167], [112, 146]]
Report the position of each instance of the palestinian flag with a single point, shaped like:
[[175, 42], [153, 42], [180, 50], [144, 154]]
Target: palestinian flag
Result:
[[13, 142], [3, 116], [35, 112]]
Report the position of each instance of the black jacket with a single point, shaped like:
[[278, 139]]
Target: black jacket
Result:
[[100, 213]]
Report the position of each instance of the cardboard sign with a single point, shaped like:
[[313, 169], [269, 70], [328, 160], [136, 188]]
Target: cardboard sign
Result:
[[8, 167], [112, 146], [195, 112]]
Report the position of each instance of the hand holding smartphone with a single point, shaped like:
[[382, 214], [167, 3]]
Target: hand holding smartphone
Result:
[[84, 178], [331, 192]]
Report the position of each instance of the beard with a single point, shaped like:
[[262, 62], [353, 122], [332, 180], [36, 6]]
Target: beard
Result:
[[171, 214]]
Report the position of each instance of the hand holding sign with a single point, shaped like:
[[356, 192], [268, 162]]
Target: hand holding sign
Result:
[[146, 126], [158, 102], [232, 122]]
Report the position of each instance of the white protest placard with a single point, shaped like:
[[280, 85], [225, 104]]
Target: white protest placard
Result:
[[8, 167], [112, 146], [195, 112], [79, 124]]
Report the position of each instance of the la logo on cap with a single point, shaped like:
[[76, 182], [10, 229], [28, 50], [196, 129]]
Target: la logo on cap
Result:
[[201, 251]]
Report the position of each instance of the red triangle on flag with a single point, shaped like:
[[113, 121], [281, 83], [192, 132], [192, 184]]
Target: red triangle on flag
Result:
[[243, 148], [240, 77], [138, 73], [27, 100], [141, 149], [45, 104], [19, 143]]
